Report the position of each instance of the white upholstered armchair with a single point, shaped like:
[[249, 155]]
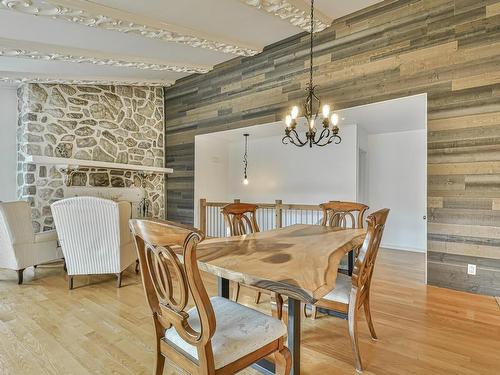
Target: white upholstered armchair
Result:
[[19, 246], [94, 236]]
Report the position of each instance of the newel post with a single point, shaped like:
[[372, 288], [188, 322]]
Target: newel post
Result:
[[278, 209], [203, 215]]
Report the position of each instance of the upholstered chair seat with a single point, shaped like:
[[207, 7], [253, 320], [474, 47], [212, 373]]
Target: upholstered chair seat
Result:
[[342, 289], [47, 236], [240, 331]]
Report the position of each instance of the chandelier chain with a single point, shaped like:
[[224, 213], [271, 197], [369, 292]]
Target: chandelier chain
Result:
[[311, 49]]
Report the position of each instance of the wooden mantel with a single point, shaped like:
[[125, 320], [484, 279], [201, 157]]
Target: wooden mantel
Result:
[[77, 163]]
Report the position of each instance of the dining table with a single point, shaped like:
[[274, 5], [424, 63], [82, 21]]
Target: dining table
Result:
[[299, 261]]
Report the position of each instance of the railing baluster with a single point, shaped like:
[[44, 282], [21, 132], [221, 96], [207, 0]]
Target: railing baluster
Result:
[[211, 221], [217, 222]]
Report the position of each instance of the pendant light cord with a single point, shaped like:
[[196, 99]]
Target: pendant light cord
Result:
[[245, 157]]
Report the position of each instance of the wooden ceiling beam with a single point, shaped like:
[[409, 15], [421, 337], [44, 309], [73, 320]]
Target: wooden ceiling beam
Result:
[[18, 78], [43, 51], [91, 14], [296, 12]]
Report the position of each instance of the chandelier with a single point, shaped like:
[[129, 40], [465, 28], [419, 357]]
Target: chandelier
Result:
[[312, 106]]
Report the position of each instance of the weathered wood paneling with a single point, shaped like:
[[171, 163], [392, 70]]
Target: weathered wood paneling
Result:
[[449, 49]]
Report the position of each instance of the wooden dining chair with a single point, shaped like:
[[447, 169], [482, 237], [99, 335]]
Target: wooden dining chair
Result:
[[344, 215], [352, 293], [215, 337], [240, 219]]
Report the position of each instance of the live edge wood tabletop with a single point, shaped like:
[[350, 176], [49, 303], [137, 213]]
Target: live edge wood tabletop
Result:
[[299, 261]]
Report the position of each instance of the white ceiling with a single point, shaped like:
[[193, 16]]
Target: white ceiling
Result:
[[391, 116], [180, 36], [398, 115]]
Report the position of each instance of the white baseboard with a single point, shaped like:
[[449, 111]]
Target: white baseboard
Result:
[[406, 248]]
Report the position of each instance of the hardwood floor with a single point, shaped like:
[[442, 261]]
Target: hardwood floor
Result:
[[98, 329]]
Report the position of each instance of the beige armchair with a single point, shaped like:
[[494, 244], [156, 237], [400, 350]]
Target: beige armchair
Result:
[[94, 236], [19, 246]]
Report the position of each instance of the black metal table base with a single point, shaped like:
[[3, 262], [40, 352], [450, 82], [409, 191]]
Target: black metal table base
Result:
[[350, 262], [223, 287], [332, 313], [293, 344], [264, 367]]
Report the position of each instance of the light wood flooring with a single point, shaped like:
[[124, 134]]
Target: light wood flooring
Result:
[[98, 329]]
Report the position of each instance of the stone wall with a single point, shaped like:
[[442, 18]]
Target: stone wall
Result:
[[119, 124]]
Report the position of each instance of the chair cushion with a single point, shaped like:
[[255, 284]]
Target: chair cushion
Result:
[[342, 289], [50, 235], [240, 331]]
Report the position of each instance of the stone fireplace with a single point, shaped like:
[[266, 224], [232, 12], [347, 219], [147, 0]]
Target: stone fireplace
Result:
[[117, 124]]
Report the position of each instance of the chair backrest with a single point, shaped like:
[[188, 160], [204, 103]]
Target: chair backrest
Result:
[[161, 270], [90, 234], [16, 228], [15, 220], [343, 214], [365, 262], [240, 218]]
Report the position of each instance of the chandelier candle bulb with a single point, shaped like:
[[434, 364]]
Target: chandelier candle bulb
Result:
[[335, 119], [288, 121], [295, 112], [326, 111]]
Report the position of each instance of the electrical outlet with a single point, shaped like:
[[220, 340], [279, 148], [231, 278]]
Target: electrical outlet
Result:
[[471, 269]]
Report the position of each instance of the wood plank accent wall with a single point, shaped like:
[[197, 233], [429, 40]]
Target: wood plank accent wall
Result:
[[449, 49]]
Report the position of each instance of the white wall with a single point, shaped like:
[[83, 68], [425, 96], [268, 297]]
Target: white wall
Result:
[[293, 174], [211, 170], [275, 171], [362, 174], [8, 143], [398, 180]]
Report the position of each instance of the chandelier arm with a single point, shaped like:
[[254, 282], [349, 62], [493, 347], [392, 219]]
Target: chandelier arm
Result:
[[335, 139], [325, 133], [325, 142], [294, 132], [287, 139]]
